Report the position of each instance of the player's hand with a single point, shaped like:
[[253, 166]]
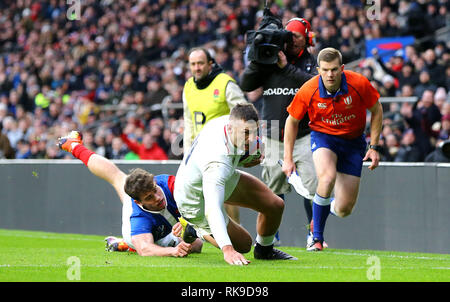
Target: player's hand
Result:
[[374, 156], [182, 249], [288, 167], [176, 229], [232, 257], [282, 60]]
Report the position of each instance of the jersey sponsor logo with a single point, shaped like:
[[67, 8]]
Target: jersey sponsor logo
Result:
[[321, 105], [280, 91], [338, 119]]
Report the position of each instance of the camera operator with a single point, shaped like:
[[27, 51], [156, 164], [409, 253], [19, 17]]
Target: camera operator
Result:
[[280, 82]]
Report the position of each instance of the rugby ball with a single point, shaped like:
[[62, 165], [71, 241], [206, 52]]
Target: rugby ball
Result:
[[252, 154]]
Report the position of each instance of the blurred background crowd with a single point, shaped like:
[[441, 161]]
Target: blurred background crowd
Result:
[[126, 61]]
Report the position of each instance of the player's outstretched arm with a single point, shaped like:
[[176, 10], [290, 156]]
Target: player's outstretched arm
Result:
[[145, 246], [97, 164]]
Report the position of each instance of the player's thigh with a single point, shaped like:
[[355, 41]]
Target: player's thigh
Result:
[[325, 161], [252, 193], [346, 191]]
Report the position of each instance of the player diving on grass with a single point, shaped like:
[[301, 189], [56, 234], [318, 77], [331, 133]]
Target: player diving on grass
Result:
[[149, 213], [207, 179]]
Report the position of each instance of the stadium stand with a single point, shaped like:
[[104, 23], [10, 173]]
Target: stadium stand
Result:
[[124, 61]]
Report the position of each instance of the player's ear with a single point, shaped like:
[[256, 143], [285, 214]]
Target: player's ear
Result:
[[342, 67]]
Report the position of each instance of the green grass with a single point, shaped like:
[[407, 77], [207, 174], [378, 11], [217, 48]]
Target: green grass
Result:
[[40, 256]]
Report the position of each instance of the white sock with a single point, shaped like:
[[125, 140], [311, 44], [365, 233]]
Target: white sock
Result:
[[332, 209], [265, 240]]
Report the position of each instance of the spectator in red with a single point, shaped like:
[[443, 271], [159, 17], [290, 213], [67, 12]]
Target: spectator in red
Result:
[[149, 149]]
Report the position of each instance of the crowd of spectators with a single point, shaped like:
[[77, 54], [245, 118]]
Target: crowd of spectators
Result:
[[114, 64]]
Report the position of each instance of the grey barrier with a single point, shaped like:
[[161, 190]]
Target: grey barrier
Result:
[[401, 207]]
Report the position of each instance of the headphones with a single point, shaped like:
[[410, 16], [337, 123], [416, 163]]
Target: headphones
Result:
[[310, 36]]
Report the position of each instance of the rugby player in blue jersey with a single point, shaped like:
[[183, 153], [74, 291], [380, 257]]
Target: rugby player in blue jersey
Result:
[[149, 213]]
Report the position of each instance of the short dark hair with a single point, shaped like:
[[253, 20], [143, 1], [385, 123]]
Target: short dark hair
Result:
[[245, 111], [329, 54], [207, 53], [138, 182]]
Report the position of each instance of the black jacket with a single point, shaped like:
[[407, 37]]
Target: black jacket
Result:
[[280, 87]]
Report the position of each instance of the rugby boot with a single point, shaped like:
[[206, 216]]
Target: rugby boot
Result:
[[68, 142], [270, 253]]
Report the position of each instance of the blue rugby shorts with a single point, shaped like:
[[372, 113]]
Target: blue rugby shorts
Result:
[[350, 152]]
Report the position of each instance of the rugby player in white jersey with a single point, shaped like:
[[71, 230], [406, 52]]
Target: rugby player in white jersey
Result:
[[207, 178]]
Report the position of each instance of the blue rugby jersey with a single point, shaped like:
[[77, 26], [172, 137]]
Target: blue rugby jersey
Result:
[[146, 222]]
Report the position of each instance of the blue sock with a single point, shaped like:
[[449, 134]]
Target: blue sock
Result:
[[320, 209]]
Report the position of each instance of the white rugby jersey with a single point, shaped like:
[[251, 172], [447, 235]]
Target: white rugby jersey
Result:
[[206, 178]]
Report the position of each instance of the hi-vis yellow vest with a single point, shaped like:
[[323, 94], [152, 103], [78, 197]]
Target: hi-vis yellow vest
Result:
[[206, 104]]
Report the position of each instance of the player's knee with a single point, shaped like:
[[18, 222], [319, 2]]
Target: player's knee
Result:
[[244, 244], [273, 205], [278, 205], [327, 181], [245, 247], [343, 211]]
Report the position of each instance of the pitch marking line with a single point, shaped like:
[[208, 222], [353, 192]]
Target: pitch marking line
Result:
[[190, 266]]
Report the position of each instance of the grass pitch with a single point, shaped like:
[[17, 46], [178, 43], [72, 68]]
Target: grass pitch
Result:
[[38, 256]]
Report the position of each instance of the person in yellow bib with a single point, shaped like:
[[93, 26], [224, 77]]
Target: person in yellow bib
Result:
[[208, 94]]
